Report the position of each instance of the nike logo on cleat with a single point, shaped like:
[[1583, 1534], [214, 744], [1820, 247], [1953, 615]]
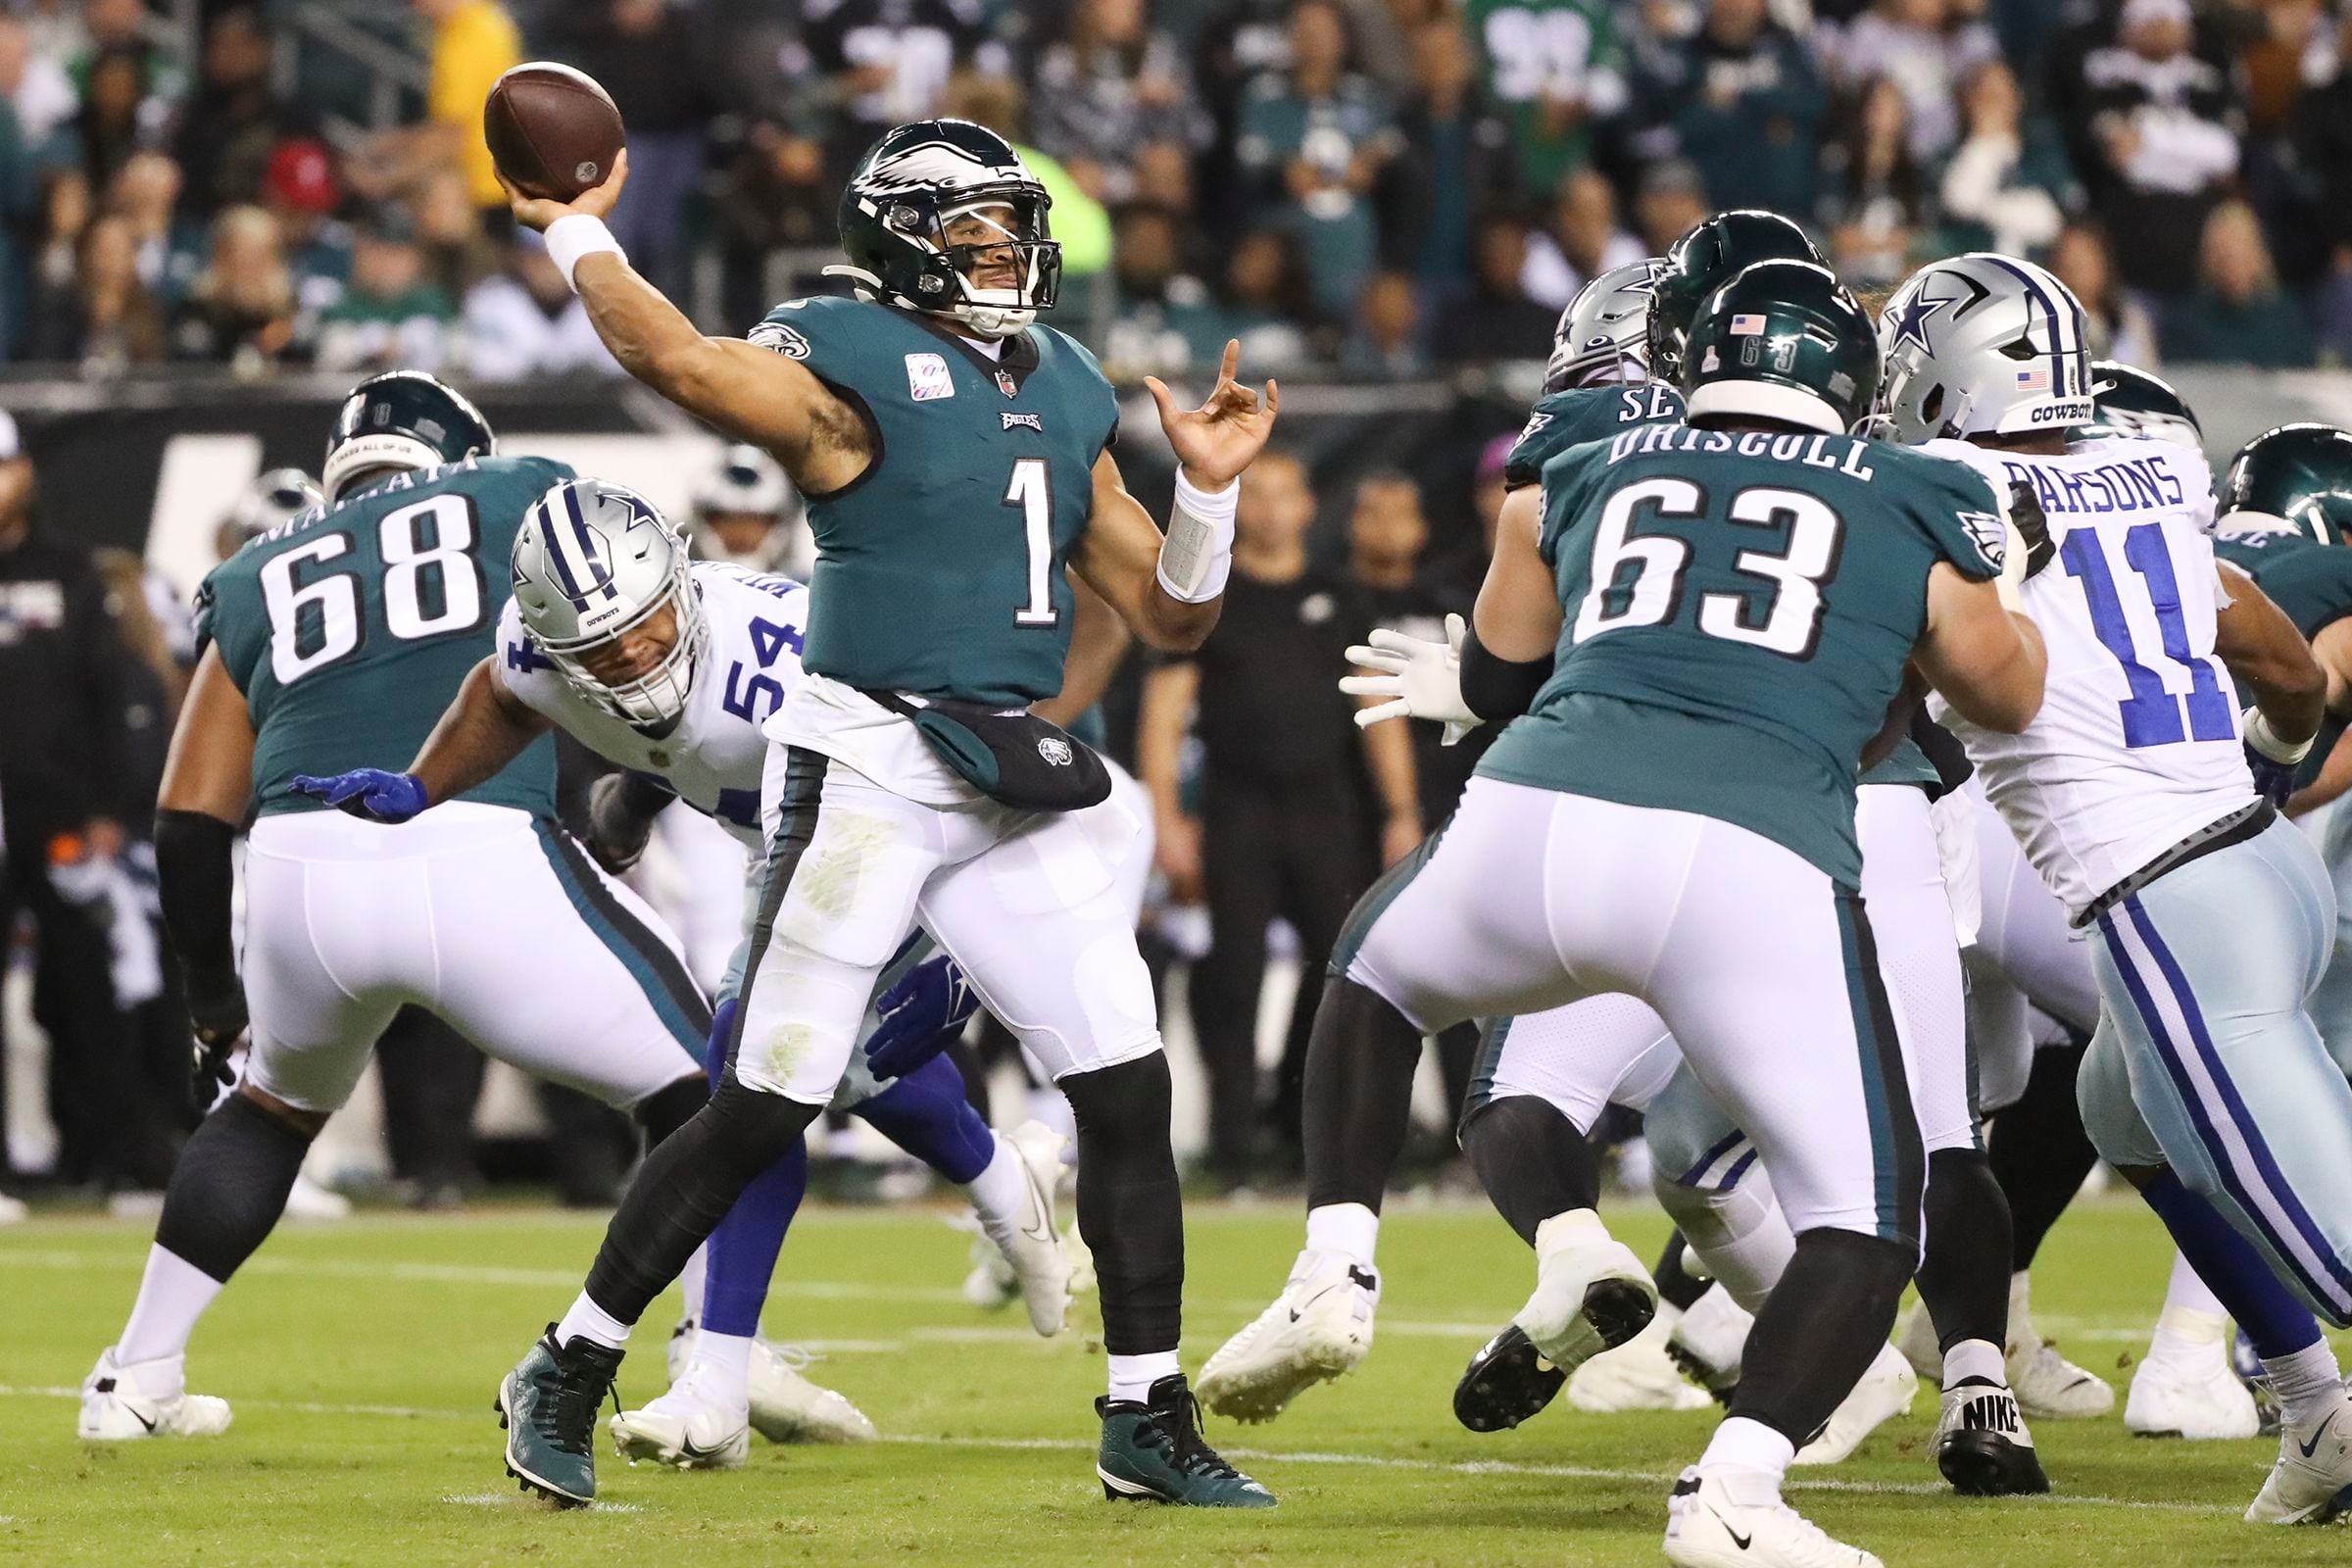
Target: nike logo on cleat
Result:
[[1737, 1540], [149, 1426], [2311, 1446]]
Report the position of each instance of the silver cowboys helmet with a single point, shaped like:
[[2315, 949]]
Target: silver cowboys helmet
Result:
[[1983, 345], [593, 561], [744, 479], [1603, 334]]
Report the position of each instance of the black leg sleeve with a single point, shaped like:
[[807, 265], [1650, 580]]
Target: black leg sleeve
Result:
[[1677, 1285], [1359, 1095], [1964, 1274], [2039, 1152], [1130, 1204], [1819, 1329], [229, 1187], [1532, 1161], [685, 1187]]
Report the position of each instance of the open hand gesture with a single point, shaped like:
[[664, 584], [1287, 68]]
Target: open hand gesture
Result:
[[1221, 437]]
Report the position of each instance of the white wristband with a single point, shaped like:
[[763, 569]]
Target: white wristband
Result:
[[2271, 744], [1197, 553], [574, 237]]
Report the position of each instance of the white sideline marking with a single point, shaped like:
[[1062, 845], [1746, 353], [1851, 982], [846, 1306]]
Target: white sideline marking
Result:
[[1375, 1461], [519, 1499]]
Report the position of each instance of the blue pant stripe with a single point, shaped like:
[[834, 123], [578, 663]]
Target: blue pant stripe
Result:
[[2265, 1165], [2200, 1116], [1731, 1178], [1696, 1176]]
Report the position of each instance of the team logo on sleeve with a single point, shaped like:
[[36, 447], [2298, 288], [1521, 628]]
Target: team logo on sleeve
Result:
[[928, 377], [1535, 423], [1988, 531], [785, 340]]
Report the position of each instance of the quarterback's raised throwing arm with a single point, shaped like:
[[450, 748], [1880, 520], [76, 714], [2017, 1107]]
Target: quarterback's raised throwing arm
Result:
[[1165, 589]]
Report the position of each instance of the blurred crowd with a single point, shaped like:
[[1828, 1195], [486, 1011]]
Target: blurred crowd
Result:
[[1377, 187]]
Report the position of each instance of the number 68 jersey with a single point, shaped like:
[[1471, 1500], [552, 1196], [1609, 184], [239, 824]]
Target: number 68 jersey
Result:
[[2137, 745], [350, 627], [712, 757]]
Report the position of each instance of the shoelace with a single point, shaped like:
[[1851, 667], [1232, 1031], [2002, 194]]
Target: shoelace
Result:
[[1189, 1451], [566, 1417]]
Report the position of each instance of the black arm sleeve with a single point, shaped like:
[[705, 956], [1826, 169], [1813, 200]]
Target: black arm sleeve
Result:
[[194, 882], [1496, 688], [1945, 753], [646, 794]]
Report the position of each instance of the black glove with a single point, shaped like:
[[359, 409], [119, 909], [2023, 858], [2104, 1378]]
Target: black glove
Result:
[[216, 1011], [621, 808], [2272, 781], [2032, 526]]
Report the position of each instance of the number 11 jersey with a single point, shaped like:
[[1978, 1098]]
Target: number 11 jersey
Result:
[[1739, 610], [2137, 745], [350, 627]]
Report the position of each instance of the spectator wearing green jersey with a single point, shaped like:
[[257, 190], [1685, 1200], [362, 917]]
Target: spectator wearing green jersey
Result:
[[1554, 68]]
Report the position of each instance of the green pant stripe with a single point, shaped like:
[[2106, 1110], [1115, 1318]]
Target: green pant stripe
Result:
[[795, 826], [1377, 898], [1897, 1158], [676, 999], [1489, 1052]]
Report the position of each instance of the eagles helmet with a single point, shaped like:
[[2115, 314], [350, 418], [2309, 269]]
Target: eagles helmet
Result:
[[2133, 403], [1983, 345], [1703, 261], [278, 496], [894, 215], [401, 419], [1603, 334], [2294, 476], [592, 561], [1784, 341]]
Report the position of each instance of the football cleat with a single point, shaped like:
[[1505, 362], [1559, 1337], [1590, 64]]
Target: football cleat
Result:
[[785, 1406], [2246, 1363], [1708, 1341], [1982, 1445], [1591, 1293], [1506, 1383], [2311, 1482], [2193, 1394], [13, 1210], [698, 1425], [2048, 1387], [1637, 1375], [1735, 1519], [1318, 1329], [1152, 1450], [1883, 1392], [1034, 1247], [123, 1401], [548, 1405], [308, 1200]]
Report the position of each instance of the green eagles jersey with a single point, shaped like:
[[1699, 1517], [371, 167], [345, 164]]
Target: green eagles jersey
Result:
[[349, 628], [2309, 580], [1738, 610], [1538, 49], [1580, 413], [939, 569]]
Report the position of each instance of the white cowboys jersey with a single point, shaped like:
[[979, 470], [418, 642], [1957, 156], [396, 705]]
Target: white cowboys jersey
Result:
[[714, 755], [2137, 745]]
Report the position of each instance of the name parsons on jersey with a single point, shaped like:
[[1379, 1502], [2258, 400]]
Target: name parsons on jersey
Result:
[[2128, 485], [1841, 452]]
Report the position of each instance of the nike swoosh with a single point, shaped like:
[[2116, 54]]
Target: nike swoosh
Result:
[[1311, 1300], [2309, 1448], [688, 1449], [149, 1426], [1737, 1540], [1045, 1209]]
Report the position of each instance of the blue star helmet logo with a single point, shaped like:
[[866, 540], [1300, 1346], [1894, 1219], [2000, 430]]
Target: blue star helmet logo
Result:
[[1911, 326]]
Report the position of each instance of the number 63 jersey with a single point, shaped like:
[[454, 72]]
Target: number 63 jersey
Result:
[[350, 627], [713, 756], [2137, 745]]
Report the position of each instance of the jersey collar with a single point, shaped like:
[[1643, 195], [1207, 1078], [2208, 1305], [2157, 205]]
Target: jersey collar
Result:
[[1018, 360]]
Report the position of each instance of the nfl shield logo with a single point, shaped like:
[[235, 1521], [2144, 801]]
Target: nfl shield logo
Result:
[[1005, 384], [1056, 750]]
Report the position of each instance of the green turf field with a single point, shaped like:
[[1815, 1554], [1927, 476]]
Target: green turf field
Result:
[[361, 1359]]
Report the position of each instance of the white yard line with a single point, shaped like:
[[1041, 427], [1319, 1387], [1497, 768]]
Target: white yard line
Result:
[[1463, 1467]]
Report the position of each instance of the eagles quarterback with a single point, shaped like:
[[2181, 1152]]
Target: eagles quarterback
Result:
[[955, 461]]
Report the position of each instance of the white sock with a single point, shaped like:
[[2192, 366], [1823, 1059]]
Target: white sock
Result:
[[2194, 1326], [2308, 1383], [1974, 1358], [692, 1280], [1132, 1376], [1348, 1229], [587, 1320], [1740, 1235], [1743, 1443], [2023, 1335], [1715, 1329], [173, 1295], [725, 1362], [997, 1194], [2187, 1288]]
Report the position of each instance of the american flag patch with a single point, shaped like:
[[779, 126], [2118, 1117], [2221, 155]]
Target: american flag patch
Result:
[[2035, 380], [1748, 326]]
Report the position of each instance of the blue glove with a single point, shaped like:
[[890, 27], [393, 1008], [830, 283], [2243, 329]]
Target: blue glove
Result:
[[368, 791], [2272, 781], [921, 1017]]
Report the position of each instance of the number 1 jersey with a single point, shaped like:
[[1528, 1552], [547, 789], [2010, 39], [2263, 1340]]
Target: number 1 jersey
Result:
[[1739, 610], [2137, 744], [351, 627], [714, 755]]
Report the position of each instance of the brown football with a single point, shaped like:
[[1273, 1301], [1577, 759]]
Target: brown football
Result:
[[552, 130]]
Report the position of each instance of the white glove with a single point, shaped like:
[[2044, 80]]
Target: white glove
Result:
[[1422, 679]]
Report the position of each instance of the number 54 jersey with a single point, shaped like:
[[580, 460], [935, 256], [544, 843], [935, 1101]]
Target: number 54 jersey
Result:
[[712, 757], [2137, 745], [350, 627]]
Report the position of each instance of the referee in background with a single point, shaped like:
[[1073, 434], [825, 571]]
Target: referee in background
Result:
[[1299, 807]]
